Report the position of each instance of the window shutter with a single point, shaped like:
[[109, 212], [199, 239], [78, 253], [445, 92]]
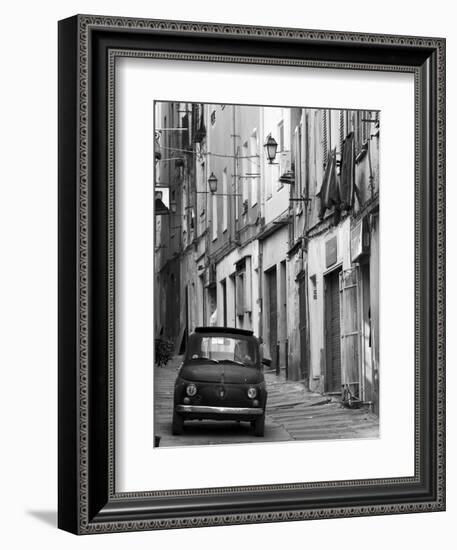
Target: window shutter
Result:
[[342, 129], [240, 294], [365, 131], [325, 136], [297, 165], [247, 290]]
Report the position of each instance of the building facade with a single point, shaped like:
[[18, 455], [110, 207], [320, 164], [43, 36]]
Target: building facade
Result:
[[287, 247]]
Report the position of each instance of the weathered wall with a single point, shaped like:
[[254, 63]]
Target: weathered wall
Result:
[[316, 270], [226, 271], [274, 251], [275, 194], [375, 313], [294, 267]]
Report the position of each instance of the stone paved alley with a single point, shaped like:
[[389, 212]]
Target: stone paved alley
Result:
[[293, 413]]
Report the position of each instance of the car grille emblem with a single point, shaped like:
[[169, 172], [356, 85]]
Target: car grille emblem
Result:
[[221, 393]]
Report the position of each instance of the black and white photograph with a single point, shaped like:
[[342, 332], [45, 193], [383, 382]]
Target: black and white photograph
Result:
[[225, 303], [266, 266]]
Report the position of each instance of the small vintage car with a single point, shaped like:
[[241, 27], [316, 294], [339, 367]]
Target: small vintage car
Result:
[[221, 378]]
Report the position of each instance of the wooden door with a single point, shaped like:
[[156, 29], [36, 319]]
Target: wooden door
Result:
[[272, 312], [224, 301], [332, 332], [304, 370]]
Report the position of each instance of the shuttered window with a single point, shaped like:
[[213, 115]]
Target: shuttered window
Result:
[[214, 220], [224, 200], [297, 188], [240, 294], [325, 136], [254, 167]]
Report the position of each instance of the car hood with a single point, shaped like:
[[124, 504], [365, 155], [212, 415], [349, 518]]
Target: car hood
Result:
[[223, 372]]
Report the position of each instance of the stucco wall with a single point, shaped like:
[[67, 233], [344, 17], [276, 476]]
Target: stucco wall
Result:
[[316, 270], [274, 251], [225, 270]]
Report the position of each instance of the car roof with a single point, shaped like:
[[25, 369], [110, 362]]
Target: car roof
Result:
[[224, 330]]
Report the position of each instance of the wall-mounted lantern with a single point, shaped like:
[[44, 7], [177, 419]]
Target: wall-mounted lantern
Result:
[[212, 182], [271, 147], [173, 207]]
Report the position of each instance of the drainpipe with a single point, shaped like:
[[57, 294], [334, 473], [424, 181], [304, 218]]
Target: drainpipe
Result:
[[371, 177], [235, 176], [262, 213], [308, 210], [260, 266]]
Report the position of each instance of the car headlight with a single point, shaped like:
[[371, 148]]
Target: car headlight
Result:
[[191, 390], [252, 392]]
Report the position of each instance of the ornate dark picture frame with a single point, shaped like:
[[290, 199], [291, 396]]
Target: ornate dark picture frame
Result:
[[88, 47]]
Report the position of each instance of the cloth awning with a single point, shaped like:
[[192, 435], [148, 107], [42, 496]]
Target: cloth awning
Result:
[[160, 209]]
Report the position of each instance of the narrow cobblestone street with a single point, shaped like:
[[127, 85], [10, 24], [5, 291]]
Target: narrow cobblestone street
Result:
[[292, 413]]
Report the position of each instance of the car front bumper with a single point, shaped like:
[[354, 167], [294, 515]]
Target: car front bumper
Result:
[[211, 411]]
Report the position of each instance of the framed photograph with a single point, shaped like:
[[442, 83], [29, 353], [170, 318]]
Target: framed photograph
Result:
[[251, 274]]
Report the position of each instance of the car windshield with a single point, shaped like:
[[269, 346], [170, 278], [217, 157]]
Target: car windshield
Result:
[[219, 349]]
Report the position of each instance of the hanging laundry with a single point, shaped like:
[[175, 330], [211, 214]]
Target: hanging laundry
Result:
[[347, 175], [329, 193]]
